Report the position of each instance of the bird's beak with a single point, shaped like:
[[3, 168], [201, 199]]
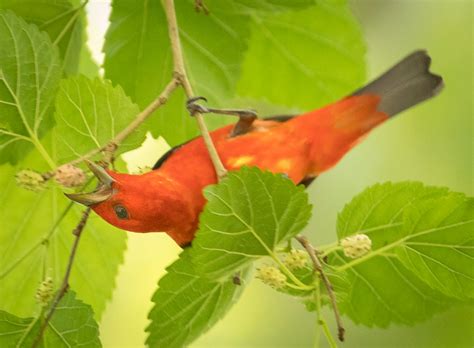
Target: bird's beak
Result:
[[100, 174], [103, 192]]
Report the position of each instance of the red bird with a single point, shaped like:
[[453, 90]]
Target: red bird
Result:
[[170, 198]]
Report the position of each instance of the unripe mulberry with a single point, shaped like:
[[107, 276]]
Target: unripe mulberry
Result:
[[44, 293], [68, 175], [296, 259], [272, 276], [356, 246], [30, 180]]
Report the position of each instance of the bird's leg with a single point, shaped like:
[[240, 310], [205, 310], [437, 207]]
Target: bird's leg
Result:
[[246, 117]]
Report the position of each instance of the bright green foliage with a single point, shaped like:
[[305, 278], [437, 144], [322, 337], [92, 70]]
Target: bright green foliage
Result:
[[29, 75], [72, 325], [382, 289], [187, 305], [439, 246], [138, 38], [36, 237], [257, 52], [87, 65], [64, 22], [320, 48], [274, 5], [227, 53], [90, 113], [247, 216]]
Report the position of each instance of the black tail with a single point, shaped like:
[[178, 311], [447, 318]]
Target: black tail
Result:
[[406, 84]]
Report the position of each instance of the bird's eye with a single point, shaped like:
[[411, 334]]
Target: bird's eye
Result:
[[121, 212]]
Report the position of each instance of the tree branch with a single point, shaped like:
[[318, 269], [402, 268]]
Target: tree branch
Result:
[[181, 76], [317, 264], [77, 232], [110, 148]]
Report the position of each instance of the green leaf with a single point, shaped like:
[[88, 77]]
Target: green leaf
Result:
[[62, 20], [187, 305], [227, 53], [29, 76], [275, 5], [36, 238], [246, 217], [382, 290], [87, 65], [439, 244], [378, 210], [213, 49], [316, 56], [72, 325], [89, 113]]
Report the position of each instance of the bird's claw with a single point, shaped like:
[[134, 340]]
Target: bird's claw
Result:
[[195, 108]]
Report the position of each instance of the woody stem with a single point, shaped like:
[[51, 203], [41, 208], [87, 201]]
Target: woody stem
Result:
[[181, 76], [77, 232], [318, 267]]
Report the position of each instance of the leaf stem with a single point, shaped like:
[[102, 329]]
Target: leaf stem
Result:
[[69, 23], [317, 300], [296, 287], [289, 274], [61, 15], [181, 76], [39, 146], [330, 250], [327, 332]]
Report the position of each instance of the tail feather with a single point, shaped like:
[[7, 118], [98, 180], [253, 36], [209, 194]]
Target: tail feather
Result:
[[404, 85]]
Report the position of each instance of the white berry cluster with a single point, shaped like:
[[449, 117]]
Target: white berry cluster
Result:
[[272, 276], [68, 175], [296, 259], [30, 180], [44, 293], [356, 246]]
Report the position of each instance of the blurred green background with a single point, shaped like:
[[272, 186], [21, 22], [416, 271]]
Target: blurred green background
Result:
[[431, 143]]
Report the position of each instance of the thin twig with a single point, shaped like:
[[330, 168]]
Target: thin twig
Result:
[[112, 146], [317, 264], [77, 232], [109, 148], [181, 76]]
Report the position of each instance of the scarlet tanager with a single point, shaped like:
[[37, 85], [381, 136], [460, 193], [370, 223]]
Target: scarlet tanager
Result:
[[170, 198]]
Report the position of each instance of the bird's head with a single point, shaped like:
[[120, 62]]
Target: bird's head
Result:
[[130, 202]]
